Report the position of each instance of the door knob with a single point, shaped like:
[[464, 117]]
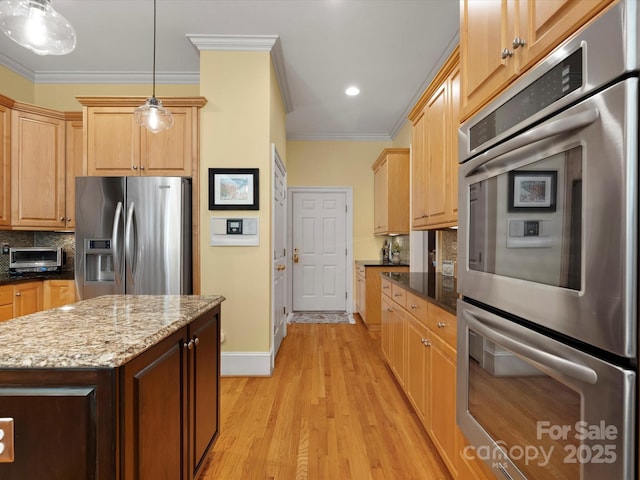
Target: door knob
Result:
[[280, 268], [296, 258]]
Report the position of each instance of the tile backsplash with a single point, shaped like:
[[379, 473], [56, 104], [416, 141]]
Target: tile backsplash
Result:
[[447, 241], [15, 238]]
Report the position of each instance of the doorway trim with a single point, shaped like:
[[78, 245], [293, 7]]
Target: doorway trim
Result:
[[348, 191]]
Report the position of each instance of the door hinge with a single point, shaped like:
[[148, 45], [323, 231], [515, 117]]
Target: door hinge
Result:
[[345, 295]]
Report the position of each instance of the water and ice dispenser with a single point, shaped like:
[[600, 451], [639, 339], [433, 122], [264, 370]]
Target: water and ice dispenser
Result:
[[98, 261]]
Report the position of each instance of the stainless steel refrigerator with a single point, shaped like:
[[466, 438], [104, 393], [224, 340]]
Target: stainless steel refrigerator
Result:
[[133, 235]]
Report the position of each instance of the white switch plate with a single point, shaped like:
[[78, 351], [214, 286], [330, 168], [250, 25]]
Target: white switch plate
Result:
[[6, 440]]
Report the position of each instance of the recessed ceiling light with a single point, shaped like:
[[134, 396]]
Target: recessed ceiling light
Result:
[[352, 91]]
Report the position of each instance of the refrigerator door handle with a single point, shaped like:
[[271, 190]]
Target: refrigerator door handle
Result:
[[114, 241], [129, 248]]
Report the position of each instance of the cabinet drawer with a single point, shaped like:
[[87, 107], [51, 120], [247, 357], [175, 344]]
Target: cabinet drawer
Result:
[[417, 306], [386, 287], [399, 295], [443, 323], [361, 270]]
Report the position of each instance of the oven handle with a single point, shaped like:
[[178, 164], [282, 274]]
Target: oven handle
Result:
[[574, 370], [546, 130]]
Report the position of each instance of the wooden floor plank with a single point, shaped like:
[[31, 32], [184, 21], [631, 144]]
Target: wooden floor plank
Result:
[[331, 410]]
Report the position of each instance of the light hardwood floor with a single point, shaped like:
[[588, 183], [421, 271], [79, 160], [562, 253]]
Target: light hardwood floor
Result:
[[332, 410]]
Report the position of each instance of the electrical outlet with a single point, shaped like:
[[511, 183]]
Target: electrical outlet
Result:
[[6, 440]]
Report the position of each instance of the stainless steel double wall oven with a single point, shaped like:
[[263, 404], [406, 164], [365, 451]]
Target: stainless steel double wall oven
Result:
[[547, 245]]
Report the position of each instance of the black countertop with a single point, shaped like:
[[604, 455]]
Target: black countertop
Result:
[[6, 278], [380, 263], [435, 287]]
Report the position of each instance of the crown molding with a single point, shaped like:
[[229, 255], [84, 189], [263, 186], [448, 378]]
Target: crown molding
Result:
[[17, 67], [311, 137], [249, 43], [118, 77]]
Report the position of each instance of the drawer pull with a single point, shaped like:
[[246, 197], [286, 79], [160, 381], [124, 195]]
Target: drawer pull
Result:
[[441, 324], [425, 342], [397, 294]]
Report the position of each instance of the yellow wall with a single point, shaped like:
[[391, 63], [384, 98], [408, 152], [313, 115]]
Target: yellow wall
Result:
[[236, 133], [63, 97], [16, 86], [341, 164], [403, 137]]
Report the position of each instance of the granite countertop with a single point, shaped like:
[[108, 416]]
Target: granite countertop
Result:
[[102, 332], [6, 278], [435, 287], [380, 263]]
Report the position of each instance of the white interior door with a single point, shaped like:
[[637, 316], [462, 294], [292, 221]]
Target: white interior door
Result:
[[279, 264], [319, 251]]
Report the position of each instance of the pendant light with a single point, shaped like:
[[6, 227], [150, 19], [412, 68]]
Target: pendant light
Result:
[[152, 115], [35, 25]]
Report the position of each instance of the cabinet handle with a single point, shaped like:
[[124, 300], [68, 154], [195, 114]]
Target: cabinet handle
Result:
[[425, 342], [62, 219], [385, 288], [518, 42], [141, 167], [414, 307], [441, 324], [188, 345], [69, 219], [397, 294], [135, 167], [389, 309], [506, 53], [18, 294], [196, 340]]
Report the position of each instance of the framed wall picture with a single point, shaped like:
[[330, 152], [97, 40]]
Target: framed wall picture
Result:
[[233, 189], [532, 190]]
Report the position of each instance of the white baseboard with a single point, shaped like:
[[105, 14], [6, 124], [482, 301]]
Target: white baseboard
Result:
[[245, 364]]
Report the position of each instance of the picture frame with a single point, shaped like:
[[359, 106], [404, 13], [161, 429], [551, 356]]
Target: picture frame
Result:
[[532, 190], [234, 189]]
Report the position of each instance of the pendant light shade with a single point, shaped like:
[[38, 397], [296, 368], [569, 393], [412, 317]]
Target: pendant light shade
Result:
[[35, 25], [152, 115]]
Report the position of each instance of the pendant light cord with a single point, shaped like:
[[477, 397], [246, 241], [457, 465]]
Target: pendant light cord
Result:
[[154, 49]]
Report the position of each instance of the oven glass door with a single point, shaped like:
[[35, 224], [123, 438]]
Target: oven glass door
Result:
[[537, 409], [547, 222]]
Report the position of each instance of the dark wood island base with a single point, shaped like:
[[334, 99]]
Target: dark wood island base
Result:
[[131, 393]]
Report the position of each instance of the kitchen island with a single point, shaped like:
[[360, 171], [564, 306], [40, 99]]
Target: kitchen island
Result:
[[115, 387]]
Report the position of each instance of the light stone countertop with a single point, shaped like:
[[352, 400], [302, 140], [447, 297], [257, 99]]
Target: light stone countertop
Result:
[[102, 332]]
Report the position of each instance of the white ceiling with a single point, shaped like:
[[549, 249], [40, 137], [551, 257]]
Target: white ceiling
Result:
[[391, 49]]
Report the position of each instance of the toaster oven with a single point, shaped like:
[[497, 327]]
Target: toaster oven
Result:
[[35, 259]]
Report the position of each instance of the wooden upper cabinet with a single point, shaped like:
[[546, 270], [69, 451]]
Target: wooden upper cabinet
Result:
[[116, 145], [391, 192], [435, 119], [5, 163], [37, 168], [501, 39], [75, 165]]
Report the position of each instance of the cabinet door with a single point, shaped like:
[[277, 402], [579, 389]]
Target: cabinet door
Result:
[[27, 298], [418, 172], [6, 302], [154, 409], [5, 165], [442, 401], [381, 198], [437, 135], [417, 367], [113, 141], [387, 307], [544, 24], [37, 170], [75, 167], [398, 342], [205, 372], [56, 293], [169, 152], [487, 28], [453, 121]]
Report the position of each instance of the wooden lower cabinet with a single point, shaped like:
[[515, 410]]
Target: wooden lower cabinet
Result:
[[167, 435], [153, 418], [419, 344], [6, 302], [368, 290], [27, 298], [56, 293]]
